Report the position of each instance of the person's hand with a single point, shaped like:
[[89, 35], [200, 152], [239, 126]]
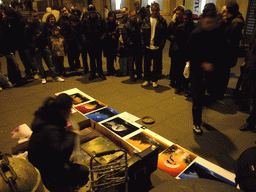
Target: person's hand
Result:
[[70, 128], [208, 67]]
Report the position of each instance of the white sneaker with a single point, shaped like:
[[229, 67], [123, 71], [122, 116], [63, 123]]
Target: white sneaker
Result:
[[43, 80], [59, 79], [146, 83], [36, 76], [155, 84]]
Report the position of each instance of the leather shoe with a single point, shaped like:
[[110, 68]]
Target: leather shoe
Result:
[[102, 76], [247, 127]]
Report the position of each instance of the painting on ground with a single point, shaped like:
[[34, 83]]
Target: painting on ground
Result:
[[89, 107], [174, 160], [144, 140], [102, 114], [120, 126], [197, 170]]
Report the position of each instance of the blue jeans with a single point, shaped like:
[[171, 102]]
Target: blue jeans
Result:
[[46, 55]]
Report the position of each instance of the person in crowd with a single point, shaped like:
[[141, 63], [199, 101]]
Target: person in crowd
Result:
[[106, 11], [48, 12], [93, 32], [233, 31], [76, 12], [153, 40], [51, 145], [132, 41], [125, 15], [36, 37], [110, 43], [181, 37], [207, 39], [74, 43], [177, 20], [58, 48], [67, 32], [85, 15], [56, 13], [122, 54], [50, 22], [7, 50], [142, 12], [17, 28], [249, 84]]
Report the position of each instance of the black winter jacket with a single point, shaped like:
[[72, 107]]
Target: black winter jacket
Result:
[[132, 36], [50, 146], [93, 31], [160, 33]]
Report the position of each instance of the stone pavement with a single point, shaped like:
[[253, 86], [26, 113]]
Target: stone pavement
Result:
[[221, 143]]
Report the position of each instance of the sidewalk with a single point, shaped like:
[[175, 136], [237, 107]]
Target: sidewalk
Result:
[[221, 143]]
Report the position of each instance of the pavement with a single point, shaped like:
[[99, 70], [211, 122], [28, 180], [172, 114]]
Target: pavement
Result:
[[221, 143]]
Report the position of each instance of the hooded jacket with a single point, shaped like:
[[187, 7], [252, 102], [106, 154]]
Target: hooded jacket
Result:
[[50, 146]]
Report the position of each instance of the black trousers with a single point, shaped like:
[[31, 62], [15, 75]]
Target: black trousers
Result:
[[110, 64], [156, 56], [73, 58], [85, 59], [200, 82], [58, 61], [95, 55], [135, 58], [13, 69]]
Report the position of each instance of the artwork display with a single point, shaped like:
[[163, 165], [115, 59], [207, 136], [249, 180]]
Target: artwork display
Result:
[[174, 160], [144, 140], [120, 126], [197, 170], [89, 107], [79, 98], [102, 114]]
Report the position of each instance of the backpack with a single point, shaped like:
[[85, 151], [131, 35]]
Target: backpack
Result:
[[245, 170]]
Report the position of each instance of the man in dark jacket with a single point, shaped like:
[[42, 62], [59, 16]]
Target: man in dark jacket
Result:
[[67, 33], [142, 12], [93, 32], [177, 20], [181, 37], [132, 41], [233, 32], [153, 41], [208, 40]]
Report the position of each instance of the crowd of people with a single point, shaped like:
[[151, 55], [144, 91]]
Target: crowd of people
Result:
[[211, 45]]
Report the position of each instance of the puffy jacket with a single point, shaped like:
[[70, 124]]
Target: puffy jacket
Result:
[[160, 33]]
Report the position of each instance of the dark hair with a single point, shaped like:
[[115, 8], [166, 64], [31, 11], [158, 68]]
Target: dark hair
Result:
[[64, 6], [48, 17], [32, 11], [106, 6], [233, 8], [110, 13], [188, 13], [209, 10], [57, 104], [155, 5], [181, 8]]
